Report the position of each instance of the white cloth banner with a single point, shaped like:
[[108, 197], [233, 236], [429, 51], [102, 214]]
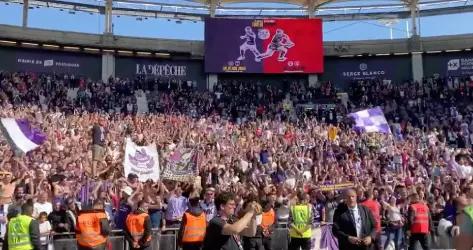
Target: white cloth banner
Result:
[[142, 161]]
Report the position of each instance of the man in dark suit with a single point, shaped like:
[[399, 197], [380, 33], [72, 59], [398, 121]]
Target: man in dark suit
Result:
[[353, 224]]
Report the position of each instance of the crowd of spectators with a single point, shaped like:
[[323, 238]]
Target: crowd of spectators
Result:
[[251, 141]]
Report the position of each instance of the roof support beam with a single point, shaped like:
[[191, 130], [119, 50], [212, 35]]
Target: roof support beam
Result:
[[108, 17], [26, 6], [413, 8], [212, 7], [311, 6]]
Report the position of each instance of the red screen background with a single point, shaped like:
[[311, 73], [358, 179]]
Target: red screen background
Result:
[[306, 56]]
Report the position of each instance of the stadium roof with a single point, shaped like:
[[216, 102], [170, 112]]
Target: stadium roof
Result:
[[196, 10], [298, 2]]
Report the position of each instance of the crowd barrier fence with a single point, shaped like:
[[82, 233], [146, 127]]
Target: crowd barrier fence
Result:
[[167, 240]]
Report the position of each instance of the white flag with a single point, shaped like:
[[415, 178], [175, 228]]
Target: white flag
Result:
[[142, 161]]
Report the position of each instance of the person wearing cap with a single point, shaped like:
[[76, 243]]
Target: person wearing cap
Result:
[[124, 209], [138, 228], [193, 227], [92, 228], [133, 180]]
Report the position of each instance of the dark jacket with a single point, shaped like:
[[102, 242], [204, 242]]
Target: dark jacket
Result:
[[195, 211], [147, 232], [34, 236], [344, 226], [59, 217]]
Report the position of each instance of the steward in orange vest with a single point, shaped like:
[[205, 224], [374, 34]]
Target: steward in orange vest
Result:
[[193, 227], [138, 228], [268, 221], [419, 223], [92, 228]]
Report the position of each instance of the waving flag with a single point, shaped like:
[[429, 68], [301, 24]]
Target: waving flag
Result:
[[371, 120], [142, 161], [182, 165], [21, 135]]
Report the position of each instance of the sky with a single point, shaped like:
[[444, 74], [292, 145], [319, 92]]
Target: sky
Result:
[[54, 19]]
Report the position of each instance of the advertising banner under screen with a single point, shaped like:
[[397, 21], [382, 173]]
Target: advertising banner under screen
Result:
[[45, 61], [448, 64], [343, 71], [184, 70], [263, 46]]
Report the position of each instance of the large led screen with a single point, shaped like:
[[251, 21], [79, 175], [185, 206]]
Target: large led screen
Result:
[[263, 46]]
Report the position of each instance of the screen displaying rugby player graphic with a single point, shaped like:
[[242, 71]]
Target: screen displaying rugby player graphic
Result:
[[263, 45]]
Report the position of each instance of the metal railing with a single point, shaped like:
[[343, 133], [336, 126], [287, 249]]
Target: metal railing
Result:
[[167, 240]]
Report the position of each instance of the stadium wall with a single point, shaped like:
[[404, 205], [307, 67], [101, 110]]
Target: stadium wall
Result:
[[342, 71], [36, 60], [152, 68], [345, 61]]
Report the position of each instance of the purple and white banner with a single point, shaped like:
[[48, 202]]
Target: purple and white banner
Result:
[[20, 133], [370, 120], [142, 161]]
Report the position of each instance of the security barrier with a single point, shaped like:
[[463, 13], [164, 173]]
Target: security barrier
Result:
[[168, 241], [280, 239]]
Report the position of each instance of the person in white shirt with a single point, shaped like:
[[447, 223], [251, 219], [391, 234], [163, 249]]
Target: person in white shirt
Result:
[[353, 224], [396, 222], [461, 165], [42, 205], [44, 230]]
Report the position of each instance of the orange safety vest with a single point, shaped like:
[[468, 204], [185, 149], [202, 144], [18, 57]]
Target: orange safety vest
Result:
[[88, 226], [194, 229], [268, 219], [421, 219], [135, 223]]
